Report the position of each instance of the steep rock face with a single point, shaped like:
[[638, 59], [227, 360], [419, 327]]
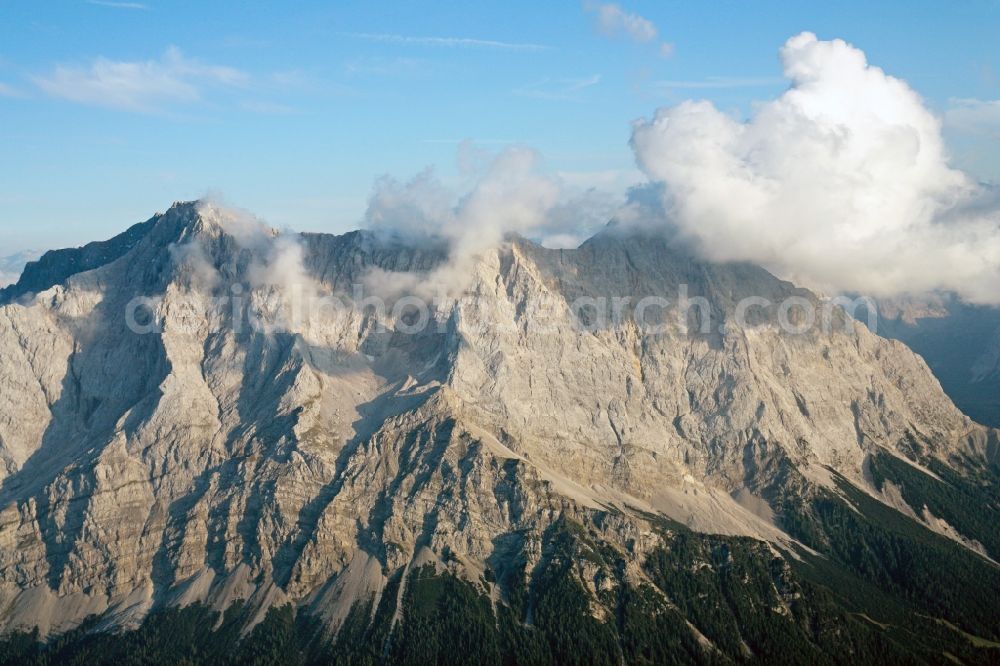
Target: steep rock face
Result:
[[674, 404], [12, 266], [308, 461], [56, 266]]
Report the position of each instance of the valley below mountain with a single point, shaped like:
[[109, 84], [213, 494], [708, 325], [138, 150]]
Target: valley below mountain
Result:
[[524, 472], [961, 344]]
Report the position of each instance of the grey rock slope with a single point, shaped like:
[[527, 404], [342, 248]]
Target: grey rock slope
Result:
[[308, 462]]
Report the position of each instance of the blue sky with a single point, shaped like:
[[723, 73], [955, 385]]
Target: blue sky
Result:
[[109, 111]]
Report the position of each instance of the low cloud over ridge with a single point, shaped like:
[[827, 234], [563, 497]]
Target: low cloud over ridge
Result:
[[503, 193], [842, 183], [506, 193]]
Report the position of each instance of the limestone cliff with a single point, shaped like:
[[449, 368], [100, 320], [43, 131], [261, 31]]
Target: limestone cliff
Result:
[[307, 461]]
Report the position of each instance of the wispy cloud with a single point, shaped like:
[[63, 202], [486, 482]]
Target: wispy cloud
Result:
[[613, 21], [470, 141], [384, 66], [713, 82], [268, 108], [559, 89], [974, 116], [119, 5], [10, 91], [143, 86], [446, 42]]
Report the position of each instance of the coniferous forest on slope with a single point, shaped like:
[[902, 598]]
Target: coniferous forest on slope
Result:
[[593, 332], [877, 586]]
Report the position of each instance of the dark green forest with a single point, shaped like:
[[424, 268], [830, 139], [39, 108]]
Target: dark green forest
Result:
[[873, 586]]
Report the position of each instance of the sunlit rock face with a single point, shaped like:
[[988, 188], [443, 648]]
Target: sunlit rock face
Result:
[[213, 441]]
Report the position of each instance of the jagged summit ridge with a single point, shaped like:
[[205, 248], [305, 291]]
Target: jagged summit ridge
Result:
[[307, 462]]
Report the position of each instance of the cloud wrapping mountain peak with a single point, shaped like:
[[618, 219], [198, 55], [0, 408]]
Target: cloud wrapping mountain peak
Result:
[[842, 183]]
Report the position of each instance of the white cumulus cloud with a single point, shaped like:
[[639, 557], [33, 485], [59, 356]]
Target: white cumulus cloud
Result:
[[842, 183]]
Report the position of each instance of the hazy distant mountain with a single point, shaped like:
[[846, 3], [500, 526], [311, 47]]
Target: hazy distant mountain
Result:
[[499, 485], [961, 344], [11, 266]]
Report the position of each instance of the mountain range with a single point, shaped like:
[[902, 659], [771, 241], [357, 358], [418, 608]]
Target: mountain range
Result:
[[516, 479], [959, 341]]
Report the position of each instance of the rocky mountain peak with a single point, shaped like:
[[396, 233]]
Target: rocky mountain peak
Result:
[[198, 460], [55, 267]]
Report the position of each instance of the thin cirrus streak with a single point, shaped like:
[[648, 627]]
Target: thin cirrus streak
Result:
[[449, 42], [714, 82], [9, 91], [563, 89], [476, 141], [119, 5]]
